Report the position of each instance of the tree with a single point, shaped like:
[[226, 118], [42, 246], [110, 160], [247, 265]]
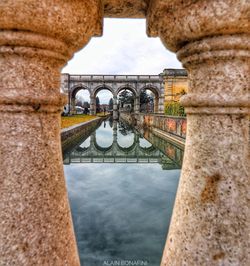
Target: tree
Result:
[[125, 128], [145, 98], [86, 107], [97, 102], [126, 97], [146, 101], [111, 104]]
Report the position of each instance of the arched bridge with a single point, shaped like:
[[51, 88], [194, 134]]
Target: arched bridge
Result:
[[90, 151], [71, 84]]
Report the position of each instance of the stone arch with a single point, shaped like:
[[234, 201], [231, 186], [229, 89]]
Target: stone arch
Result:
[[127, 87], [102, 149], [149, 149], [127, 149], [94, 93], [157, 93], [102, 87], [130, 147], [131, 89], [78, 87], [72, 95], [152, 88]]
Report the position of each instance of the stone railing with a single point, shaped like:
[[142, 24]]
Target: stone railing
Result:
[[174, 126], [117, 78]]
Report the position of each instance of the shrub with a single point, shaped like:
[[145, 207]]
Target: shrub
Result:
[[174, 109]]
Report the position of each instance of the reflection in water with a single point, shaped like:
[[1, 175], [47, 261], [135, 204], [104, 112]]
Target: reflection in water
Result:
[[121, 209], [121, 144]]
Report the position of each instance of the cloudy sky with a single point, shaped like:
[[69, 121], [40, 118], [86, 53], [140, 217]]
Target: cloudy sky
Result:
[[124, 48]]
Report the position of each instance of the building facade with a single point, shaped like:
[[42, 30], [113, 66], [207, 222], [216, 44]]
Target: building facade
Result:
[[175, 84], [166, 87]]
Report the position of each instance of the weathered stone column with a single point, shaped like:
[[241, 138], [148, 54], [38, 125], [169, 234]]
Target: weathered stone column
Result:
[[36, 40], [92, 105], [115, 110], [73, 105], [137, 104], [92, 138], [136, 138], [161, 105], [115, 131], [210, 223]]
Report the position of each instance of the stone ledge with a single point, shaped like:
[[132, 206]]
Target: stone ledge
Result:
[[72, 134], [172, 138]]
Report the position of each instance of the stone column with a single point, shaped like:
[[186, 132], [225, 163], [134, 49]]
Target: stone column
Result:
[[161, 105], [137, 104], [73, 106], [69, 103], [136, 138], [36, 40], [210, 222], [115, 110], [92, 105], [115, 131], [92, 139], [156, 104]]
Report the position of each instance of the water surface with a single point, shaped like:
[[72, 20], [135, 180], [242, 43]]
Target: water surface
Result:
[[121, 198]]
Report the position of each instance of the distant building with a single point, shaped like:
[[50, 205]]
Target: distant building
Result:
[[166, 87], [175, 84]]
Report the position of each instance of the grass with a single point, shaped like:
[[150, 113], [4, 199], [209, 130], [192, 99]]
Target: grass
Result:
[[68, 121]]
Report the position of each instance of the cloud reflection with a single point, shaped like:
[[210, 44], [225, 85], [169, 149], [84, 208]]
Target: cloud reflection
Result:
[[121, 211]]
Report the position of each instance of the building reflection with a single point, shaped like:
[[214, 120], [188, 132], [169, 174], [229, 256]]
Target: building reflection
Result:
[[117, 142]]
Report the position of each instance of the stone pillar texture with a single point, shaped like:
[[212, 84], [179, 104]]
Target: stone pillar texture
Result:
[[210, 222], [156, 104], [161, 105], [73, 105], [92, 105], [137, 104], [115, 110], [36, 40], [115, 131]]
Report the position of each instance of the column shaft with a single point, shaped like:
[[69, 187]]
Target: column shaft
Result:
[[210, 221], [92, 106], [210, 224], [115, 109], [137, 104], [161, 105], [36, 221], [36, 226]]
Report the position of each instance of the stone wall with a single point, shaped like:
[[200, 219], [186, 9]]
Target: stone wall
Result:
[[71, 135], [170, 126], [174, 152], [175, 84]]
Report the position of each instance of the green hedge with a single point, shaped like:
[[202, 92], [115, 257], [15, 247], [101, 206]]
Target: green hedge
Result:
[[174, 109]]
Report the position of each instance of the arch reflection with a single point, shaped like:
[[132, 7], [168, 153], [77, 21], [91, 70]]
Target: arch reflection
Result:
[[138, 150], [103, 137]]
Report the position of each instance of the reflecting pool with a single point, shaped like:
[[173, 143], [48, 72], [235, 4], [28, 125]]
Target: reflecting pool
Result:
[[121, 190]]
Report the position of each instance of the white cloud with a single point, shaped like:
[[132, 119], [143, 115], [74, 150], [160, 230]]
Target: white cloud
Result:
[[124, 48]]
